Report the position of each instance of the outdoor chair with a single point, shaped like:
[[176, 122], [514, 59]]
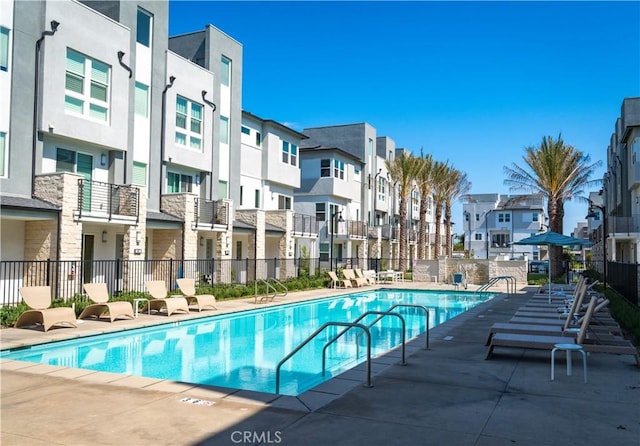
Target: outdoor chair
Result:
[[38, 298]]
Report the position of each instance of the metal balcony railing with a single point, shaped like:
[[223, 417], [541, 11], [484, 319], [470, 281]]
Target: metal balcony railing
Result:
[[108, 200], [305, 224], [208, 212], [356, 229]]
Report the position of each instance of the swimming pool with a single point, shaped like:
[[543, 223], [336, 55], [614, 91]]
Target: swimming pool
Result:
[[242, 350]]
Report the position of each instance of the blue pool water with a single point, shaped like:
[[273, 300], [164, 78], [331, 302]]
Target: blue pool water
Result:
[[242, 350]]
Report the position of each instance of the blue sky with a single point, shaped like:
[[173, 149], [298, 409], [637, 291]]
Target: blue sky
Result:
[[470, 82]]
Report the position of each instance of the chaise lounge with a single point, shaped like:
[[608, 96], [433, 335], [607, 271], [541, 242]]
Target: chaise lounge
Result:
[[338, 283], [38, 298], [160, 301], [188, 288], [99, 294]]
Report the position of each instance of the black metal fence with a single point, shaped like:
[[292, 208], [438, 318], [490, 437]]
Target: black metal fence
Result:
[[65, 277], [622, 277]]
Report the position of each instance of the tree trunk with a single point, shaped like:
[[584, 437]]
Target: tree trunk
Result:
[[403, 234], [437, 243], [555, 208], [422, 236]]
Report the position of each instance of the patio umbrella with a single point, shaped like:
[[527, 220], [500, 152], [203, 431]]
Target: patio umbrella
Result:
[[551, 238]]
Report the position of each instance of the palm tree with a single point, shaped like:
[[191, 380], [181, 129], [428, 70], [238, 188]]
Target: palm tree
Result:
[[425, 183], [440, 173], [558, 171], [403, 170], [456, 185]]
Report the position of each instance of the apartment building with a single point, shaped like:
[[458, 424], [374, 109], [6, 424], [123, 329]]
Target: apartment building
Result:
[[266, 225], [615, 219], [81, 129], [494, 222], [108, 147], [354, 185]]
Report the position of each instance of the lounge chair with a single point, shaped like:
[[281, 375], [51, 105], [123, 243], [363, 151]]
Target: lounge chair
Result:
[[188, 288], [338, 283], [351, 275], [160, 301], [601, 343], [459, 280], [371, 275], [99, 294], [38, 298], [368, 279]]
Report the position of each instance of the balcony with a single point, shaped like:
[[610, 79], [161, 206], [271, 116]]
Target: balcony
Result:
[[356, 229], [305, 225], [106, 201], [353, 229], [390, 232], [211, 215]]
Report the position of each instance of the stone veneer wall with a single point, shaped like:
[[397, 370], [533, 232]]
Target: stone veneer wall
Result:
[[62, 189], [477, 271], [284, 219], [257, 243]]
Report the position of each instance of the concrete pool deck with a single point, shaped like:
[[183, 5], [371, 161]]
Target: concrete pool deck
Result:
[[447, 395]]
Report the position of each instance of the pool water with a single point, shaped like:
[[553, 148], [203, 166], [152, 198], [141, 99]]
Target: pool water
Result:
[[242, 350]]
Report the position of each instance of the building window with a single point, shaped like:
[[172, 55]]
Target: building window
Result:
[[321, 211], [284, 202], [143, 28], [225, 71], [478, 236], [466, 216], [381, 189], [504, 218], [534, 217], [325, 168], [86, 86], [179, 183], [477, 217], [289, 153], [223, 189], [500, 240], [241, 192], [245, 130], [256, 199], [3, 154], [324, 252], [4, 48], [139, 173], [142, 100], [65, 160], [338, 169], [258, 139], [188, 123], [224, 130]]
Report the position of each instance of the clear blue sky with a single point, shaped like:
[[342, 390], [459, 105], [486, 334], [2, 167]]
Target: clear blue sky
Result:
[[471, 82]]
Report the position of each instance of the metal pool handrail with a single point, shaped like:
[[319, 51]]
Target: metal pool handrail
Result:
[[316, 333], [362, 316], [511, 284], [426, 310]]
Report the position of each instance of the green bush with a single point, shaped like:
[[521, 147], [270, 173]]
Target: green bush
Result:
[[627, 315]]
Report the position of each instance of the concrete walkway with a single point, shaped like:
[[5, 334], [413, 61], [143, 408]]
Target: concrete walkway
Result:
[[447, 395]]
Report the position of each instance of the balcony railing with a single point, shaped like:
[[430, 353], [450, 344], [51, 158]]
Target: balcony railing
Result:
[[390, 232], [356, 229], [212, 213], [305, 224], [108, 200]]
